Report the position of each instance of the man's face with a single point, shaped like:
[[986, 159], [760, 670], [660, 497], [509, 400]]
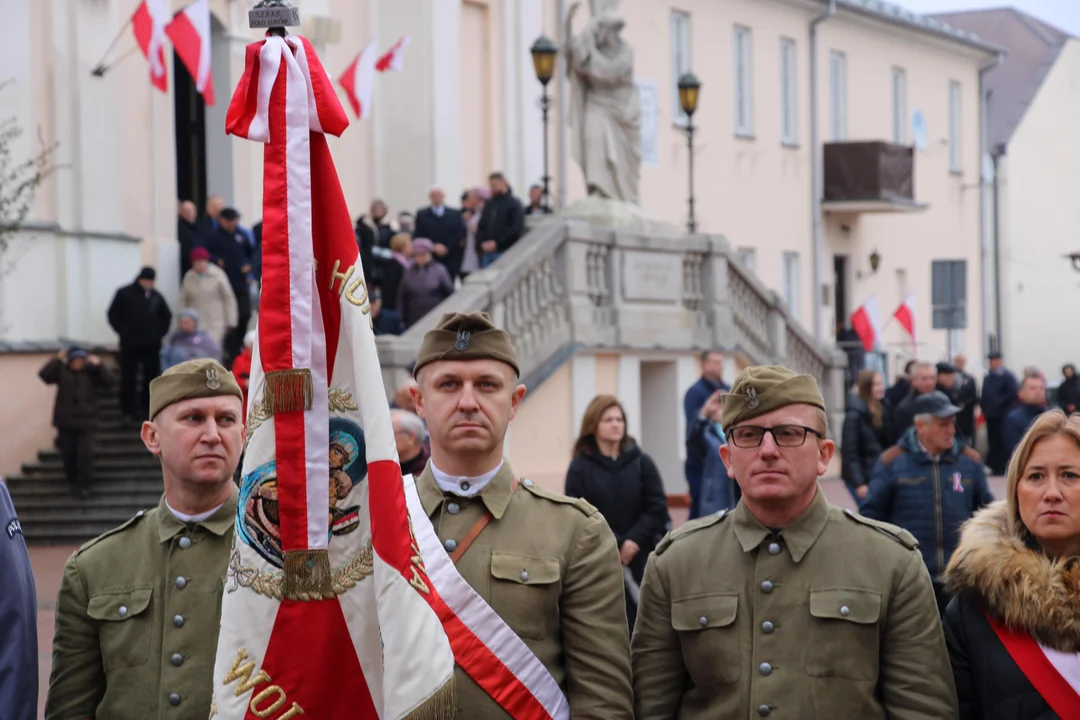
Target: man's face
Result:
[[936, 434], [214, 206], [925, 379], [437, 197], [779, 476], [536, 195], [378, 210], [995, 363], [947, 380], [497, 185], [199, 441], [229, 225], [1033, 391], [77, 364], [408, 445], [146, 284], [712, 366], [960, 362], [468, 404], [188, 211]]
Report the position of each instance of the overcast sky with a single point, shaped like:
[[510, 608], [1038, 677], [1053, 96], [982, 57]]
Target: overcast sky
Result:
[[1064, 14]]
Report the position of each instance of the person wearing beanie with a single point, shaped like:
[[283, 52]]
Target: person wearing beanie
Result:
[[141, 318], [424, 285], [139, 607], [189, 342], [207, 291]]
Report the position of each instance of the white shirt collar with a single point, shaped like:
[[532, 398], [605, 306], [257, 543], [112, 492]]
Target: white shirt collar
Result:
[[463, 485], [192, 518]]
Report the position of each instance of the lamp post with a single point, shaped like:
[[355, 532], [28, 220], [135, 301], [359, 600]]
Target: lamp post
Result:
[[689, 86], [544, 53]]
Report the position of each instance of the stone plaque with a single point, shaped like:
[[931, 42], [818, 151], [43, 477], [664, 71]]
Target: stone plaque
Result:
[[653, 277]]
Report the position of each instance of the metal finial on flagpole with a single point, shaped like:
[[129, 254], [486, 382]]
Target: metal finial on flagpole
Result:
[[275, 15]]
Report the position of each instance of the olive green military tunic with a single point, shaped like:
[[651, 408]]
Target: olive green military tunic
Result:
[[548, 565], [833, 617], [137, 620]]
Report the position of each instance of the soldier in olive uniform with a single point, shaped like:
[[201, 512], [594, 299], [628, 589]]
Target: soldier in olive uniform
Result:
[[139, 607], [546, 563], [787, 607]]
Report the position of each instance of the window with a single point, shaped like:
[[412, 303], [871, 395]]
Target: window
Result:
[[899, 104], [744, 76], [789, 129], [838, 95], [747, 258], [791, 282], [949, 294], [956, 152], [680, 58]]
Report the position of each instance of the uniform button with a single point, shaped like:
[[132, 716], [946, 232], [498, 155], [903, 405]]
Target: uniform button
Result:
[[450, 545], [453, 508], [174, 699], [763, 710], [178, 621], [181, 582], [703, 621], [465, 485], [765, 669], [774, 548], [185, 542], [845, 610], [139, 514], [767, 627], [766, 587], [524, 576], [527, 483], [177, 659]]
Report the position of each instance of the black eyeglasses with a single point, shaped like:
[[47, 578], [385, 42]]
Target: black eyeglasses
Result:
[[750, 436]]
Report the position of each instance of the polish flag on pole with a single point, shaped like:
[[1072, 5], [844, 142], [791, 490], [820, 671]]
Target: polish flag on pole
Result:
[[905, 315], [394, 58], [866, 322], [190, 35], [149, 25], [358, 80]]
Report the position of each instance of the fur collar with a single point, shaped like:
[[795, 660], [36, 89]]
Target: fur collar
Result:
[[1021, 586]]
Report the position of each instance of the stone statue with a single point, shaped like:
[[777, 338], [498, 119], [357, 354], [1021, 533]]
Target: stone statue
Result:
[[605, 109]]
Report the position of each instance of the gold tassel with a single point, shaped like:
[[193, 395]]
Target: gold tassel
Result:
[[288, 390], [442, 705], [306, 575]]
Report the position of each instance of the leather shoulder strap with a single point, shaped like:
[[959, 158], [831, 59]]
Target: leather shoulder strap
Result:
[[476, 529]]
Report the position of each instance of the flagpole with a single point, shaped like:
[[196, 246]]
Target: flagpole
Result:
[[100, 68]]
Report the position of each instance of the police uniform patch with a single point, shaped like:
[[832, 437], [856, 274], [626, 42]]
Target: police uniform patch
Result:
[[14, 528], [464, 337], [213, 381]]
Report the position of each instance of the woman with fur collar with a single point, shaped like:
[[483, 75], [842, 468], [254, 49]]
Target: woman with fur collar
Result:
[[1013, 626]]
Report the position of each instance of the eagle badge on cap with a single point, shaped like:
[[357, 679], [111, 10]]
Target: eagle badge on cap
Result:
[[464, 337], [212, 380], [751, 398]]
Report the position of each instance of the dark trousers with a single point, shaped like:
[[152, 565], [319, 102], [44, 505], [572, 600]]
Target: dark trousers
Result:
[[997, 457], [941, 596], [234, 340], [77, 454], [693, 480], [148, 358]]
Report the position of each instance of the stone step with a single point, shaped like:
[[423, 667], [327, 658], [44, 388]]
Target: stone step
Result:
[[101, 466], [69, 532], [43, 504], [102, 453], [56, 483]]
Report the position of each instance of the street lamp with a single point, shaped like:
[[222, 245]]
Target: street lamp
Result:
[[689, 86], [544, 53]]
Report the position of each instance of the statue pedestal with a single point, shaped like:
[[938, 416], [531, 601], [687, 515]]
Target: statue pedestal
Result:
[[619, 215]]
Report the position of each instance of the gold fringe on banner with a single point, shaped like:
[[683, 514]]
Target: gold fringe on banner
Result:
[[306, 575], [442, 705], [288, 390]]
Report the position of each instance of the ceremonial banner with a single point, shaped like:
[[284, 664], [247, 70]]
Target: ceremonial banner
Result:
[[328, 611]]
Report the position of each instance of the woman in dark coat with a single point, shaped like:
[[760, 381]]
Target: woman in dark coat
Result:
[[1013, 625], [611, 472], [1068, 396], [866, 430]]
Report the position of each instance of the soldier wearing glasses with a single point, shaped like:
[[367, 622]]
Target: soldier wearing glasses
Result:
[[787, 607]]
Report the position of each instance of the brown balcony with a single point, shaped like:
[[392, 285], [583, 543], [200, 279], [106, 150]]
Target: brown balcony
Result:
[[869, 177]]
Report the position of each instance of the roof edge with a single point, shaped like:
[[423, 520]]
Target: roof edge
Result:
[[897, 15]]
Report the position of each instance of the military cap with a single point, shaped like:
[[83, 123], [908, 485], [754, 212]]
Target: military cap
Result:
[[763, 388], [466, 336], [945, 368], [192, 379], [995, 355]]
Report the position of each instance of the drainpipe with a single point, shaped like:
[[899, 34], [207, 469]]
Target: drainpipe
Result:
[[817, 243], [563, 105], [997, 154], [988, 224]]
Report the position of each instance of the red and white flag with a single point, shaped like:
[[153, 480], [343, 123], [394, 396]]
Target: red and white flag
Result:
[[190, 35], [905, 315], [149, 23], [394, 58], [328, 609], [358, 80], [866, 322]]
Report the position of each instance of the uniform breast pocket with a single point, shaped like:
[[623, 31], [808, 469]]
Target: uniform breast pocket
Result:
[[843, 641], [709, 635], [123, 627], [525, 592]]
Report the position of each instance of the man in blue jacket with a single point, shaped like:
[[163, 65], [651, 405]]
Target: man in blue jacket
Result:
[[929, 483], [18, 619], [998, 398], [710, 383], [1032, 396]]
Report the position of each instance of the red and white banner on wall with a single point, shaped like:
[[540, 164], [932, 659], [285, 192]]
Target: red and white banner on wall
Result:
[[358, 79]]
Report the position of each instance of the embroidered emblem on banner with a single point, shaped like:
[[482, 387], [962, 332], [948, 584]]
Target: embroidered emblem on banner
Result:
[[751, 398], [212, 380], [464, 337]]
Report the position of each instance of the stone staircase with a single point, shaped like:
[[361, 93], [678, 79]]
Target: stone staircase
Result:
[[127, 479]]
